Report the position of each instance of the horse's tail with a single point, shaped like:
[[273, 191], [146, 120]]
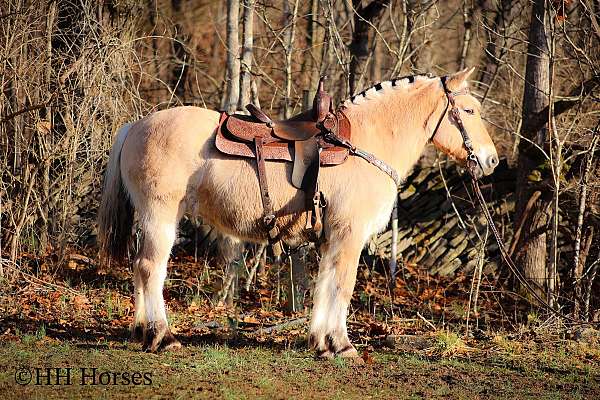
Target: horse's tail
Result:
[[115, 215]]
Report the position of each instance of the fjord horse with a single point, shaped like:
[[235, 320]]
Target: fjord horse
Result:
[[166, 165]]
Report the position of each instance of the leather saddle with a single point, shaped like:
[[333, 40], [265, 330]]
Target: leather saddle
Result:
[[301, 139]]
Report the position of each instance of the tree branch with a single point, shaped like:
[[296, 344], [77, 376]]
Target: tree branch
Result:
[[538, 120]]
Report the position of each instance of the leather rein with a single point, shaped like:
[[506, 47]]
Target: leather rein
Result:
[[472, 164]]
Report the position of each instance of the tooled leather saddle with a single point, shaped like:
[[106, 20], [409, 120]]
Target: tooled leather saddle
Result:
[[310, 140]]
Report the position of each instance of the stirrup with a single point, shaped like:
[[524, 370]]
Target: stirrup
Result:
[[314, 217]]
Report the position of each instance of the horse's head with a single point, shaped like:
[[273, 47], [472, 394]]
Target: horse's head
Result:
[[448, 137]]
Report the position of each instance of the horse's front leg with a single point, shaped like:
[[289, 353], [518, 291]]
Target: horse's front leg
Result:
[[335, 284]]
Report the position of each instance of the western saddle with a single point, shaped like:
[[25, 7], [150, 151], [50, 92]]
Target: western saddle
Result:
[[319, 136]]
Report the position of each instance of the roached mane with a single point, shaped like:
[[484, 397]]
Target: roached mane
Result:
[[379, 88]]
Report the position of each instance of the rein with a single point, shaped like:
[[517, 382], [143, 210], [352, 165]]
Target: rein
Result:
[[508, 260], [472, 164]]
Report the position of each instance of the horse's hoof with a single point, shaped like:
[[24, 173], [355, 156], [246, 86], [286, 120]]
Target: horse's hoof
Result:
[[154, 335], [158, 338], [169, 343], [137, 333], [324, 354], [348, 352], [333, 346]]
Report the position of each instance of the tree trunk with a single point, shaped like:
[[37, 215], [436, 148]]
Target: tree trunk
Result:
[[579, 263], [290, 26], [152, 18], [233, 56], [180, 56], [247, 47], [215, 66], [315, 40], [377, 62], [532, 255], [45, 209], [365, 17], [467, 23]]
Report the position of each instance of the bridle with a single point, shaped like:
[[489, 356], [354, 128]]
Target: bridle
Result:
[[472, 162]]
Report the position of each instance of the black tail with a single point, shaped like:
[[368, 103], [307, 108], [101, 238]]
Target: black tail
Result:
[[115, 215]]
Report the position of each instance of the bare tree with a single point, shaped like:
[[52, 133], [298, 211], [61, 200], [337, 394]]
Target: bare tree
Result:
[[533, 254], [180, 56], [498, 18], [467, 23], [420, 17], [365, 18], [233, 56], [290, 31], [311, 66], [579, 262], [247, 47]]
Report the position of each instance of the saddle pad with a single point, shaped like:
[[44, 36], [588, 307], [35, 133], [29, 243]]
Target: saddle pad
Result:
[[273, 151]]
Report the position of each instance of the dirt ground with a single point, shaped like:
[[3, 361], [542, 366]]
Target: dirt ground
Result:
[[239, 371], [65, 335]]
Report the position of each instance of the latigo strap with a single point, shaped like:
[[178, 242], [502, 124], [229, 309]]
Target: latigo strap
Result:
[[268, 215]]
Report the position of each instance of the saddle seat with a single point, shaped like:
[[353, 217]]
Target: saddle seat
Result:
[[297, 128], [302, 126]]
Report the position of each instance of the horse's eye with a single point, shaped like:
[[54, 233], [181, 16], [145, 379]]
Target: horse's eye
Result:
[[469, 111]]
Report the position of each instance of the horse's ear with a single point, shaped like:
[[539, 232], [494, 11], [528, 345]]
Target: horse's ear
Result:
[[458, 80]]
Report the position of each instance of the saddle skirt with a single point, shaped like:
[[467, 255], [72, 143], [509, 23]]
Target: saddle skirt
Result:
[[236, 133]]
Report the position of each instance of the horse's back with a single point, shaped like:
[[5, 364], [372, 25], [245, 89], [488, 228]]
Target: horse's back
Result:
[[175, 131]]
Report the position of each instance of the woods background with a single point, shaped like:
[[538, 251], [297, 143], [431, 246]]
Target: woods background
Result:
[[73, 72]]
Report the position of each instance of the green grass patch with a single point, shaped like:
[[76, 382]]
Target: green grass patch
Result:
[[221, 371]]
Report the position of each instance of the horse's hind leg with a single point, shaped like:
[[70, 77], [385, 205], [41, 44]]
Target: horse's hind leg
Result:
[[140, 321], [333, 291], [159, 227]]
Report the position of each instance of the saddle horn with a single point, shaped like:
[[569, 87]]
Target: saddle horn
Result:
[[322, 101]]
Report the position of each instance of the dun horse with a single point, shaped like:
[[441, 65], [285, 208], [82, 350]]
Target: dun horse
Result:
[[166, 165]]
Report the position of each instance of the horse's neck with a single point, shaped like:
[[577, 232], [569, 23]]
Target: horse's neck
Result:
[[393, 127]]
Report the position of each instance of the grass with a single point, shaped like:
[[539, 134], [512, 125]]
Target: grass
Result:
[[448, 343], [221, 371], [40, 334]]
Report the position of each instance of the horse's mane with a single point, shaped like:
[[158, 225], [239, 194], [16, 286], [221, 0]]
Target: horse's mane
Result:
[[403, 82]]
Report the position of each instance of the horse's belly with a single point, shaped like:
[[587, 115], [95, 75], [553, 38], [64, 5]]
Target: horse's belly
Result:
[[228, 198]]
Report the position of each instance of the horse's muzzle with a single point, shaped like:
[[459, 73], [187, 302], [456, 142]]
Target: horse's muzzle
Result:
[[490, 163], [486, 164]]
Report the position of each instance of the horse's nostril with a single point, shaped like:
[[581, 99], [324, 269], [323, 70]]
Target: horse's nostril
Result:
[[492, 161]]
